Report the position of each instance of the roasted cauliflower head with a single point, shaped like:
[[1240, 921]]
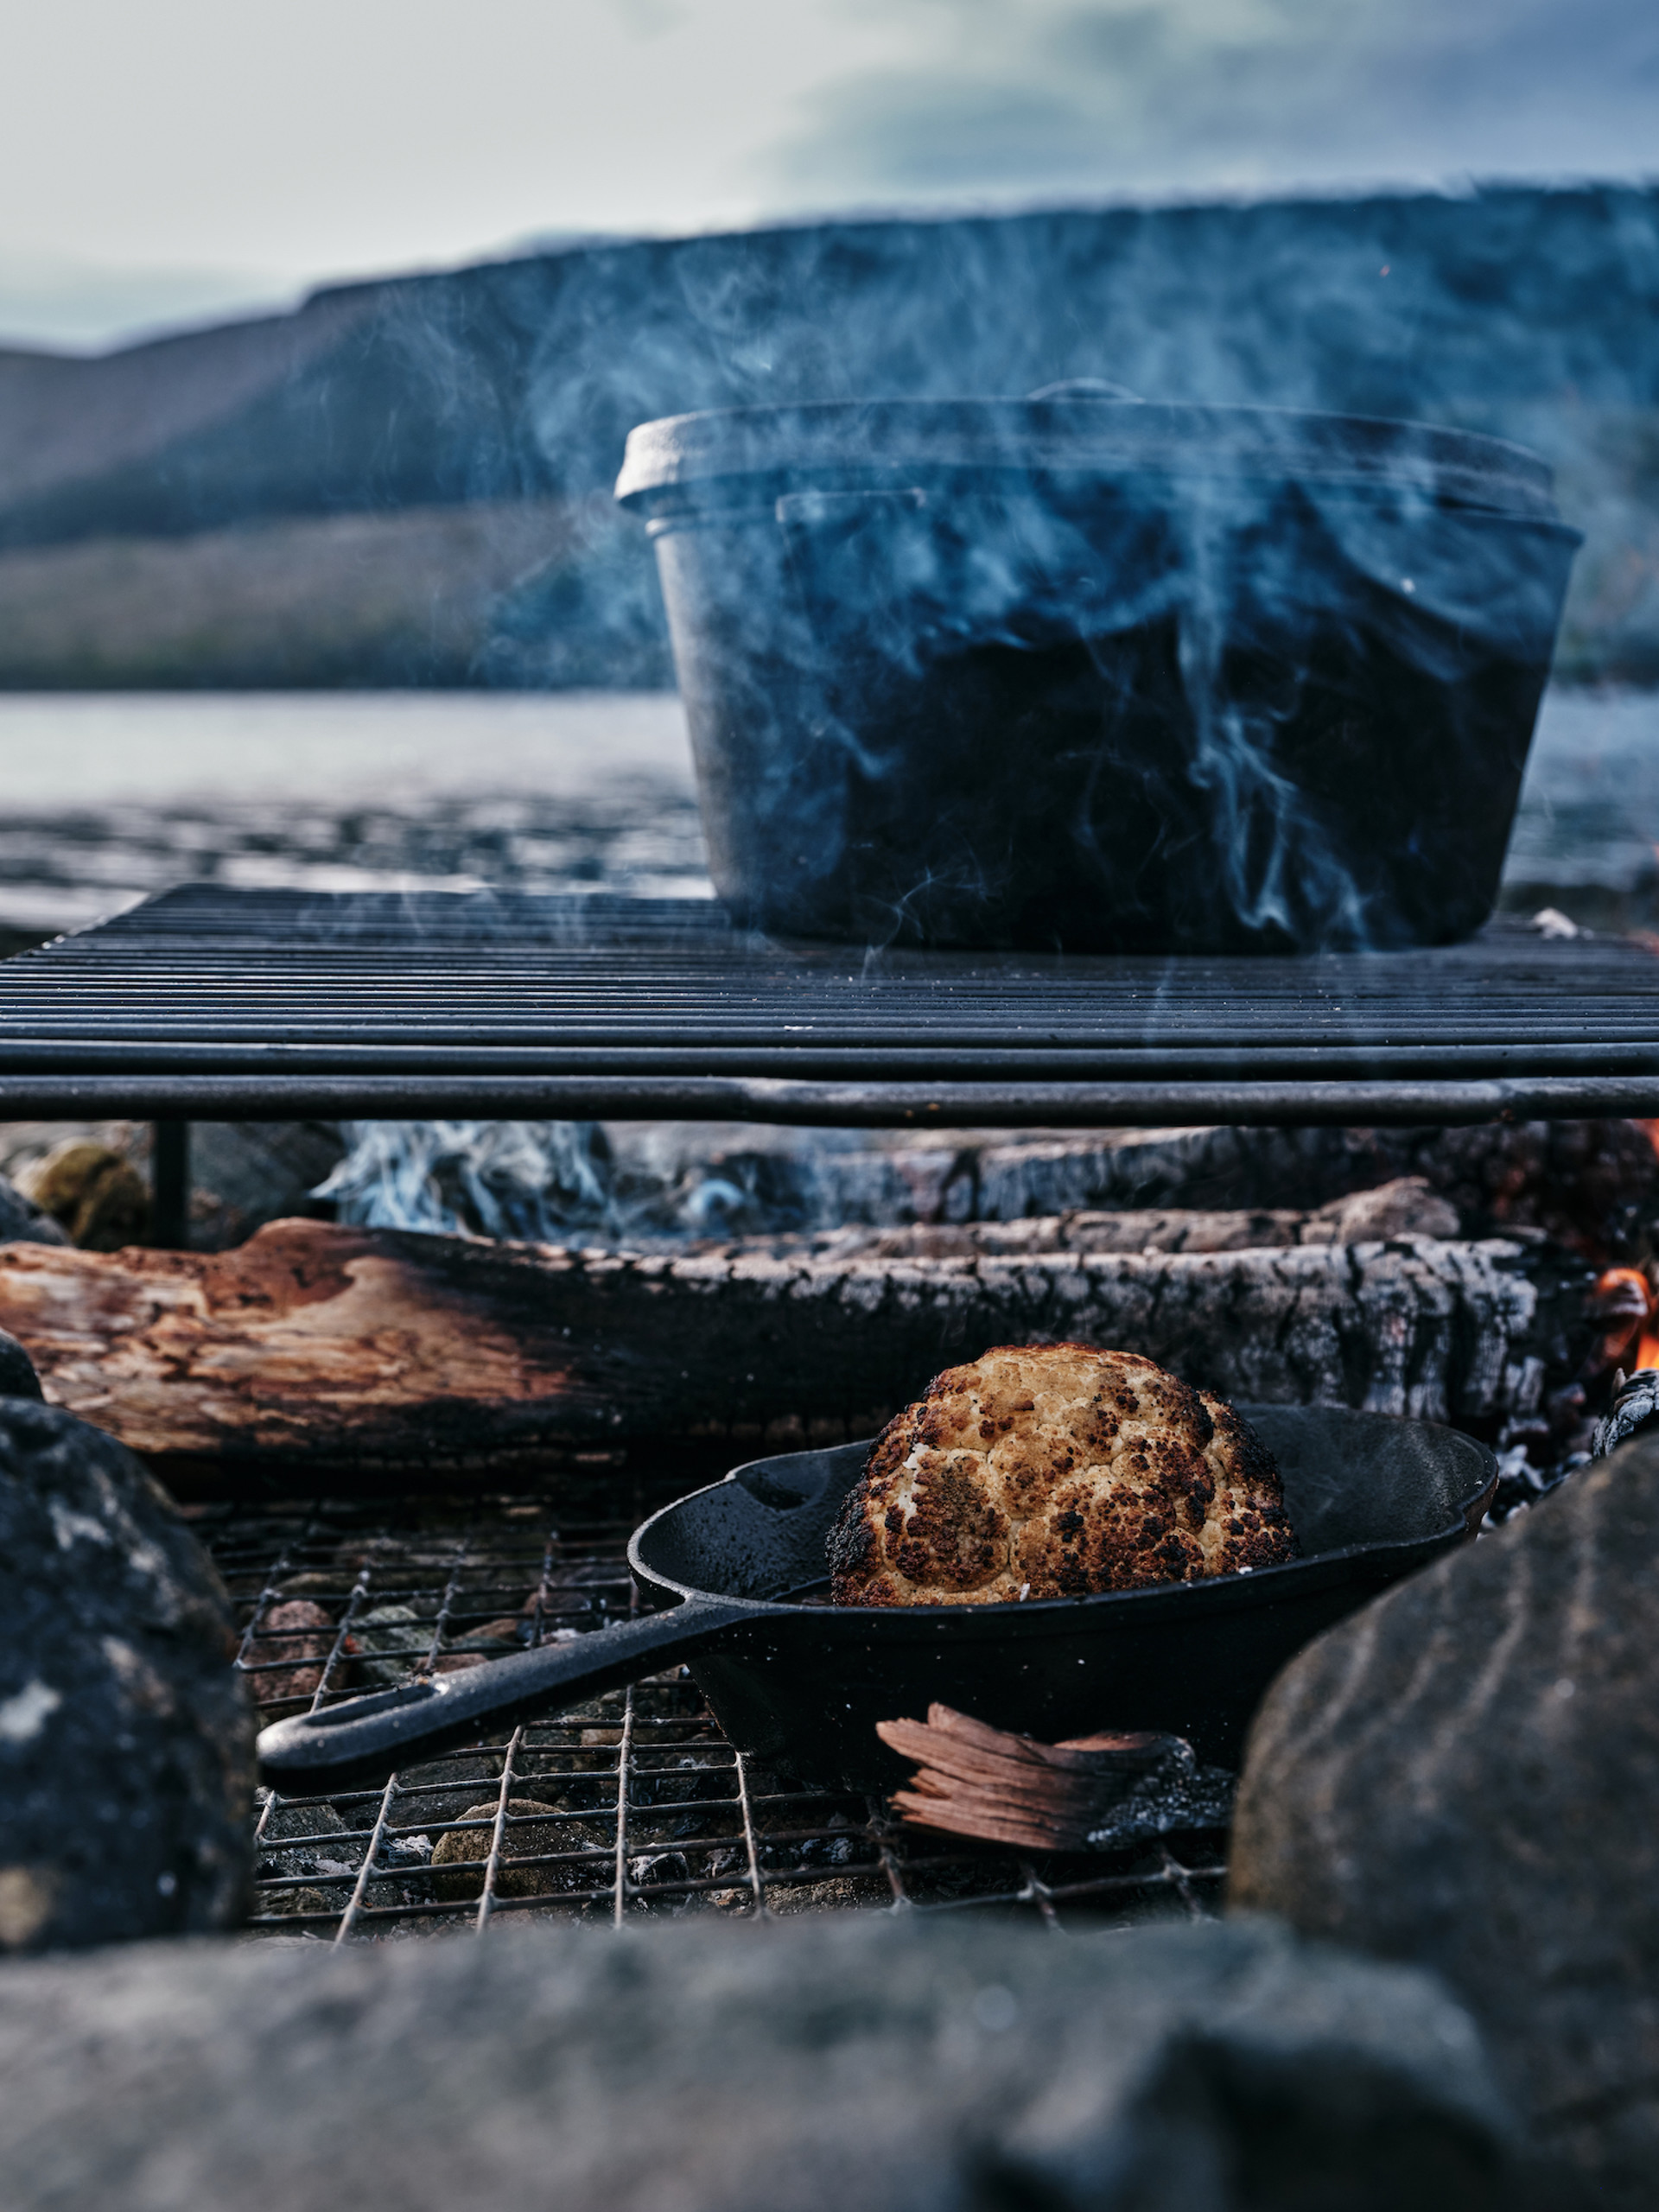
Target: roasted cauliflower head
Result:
[[1053, 1471]]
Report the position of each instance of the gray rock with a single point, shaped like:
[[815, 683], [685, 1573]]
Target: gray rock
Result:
[[22, 1221], [1466, 1774], [390, 1638], [844, 2062], [126, 1739], [531, 1831]]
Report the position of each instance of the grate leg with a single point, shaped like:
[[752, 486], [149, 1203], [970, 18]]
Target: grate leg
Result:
[[169, 1186]]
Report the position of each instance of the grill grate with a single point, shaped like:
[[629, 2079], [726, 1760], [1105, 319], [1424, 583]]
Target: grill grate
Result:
[[632, 1807], [212, 1002]]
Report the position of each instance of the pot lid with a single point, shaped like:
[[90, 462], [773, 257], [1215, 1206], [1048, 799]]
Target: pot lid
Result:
[[1071, 432]]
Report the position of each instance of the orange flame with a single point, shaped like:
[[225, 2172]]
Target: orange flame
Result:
[[1631, 1343], [1646, 1352]]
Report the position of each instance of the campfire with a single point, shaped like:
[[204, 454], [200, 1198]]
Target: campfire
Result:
[[342, 1361], [416, 1455]]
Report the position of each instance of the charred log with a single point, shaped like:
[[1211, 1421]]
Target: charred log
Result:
[[1591, 1185], [1406, 1207], [314, 1345]]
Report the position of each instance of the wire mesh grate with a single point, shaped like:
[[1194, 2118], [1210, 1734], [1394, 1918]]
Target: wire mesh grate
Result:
[[629, 1806]]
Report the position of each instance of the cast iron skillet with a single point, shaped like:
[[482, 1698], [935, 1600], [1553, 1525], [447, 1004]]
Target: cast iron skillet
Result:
[[802, 1686]]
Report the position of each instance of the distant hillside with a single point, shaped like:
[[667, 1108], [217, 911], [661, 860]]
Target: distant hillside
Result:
[[176, 512], [432, 596]]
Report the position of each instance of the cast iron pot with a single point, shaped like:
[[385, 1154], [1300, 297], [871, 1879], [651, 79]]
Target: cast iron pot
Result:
[[1079, 673], [802, 1686]]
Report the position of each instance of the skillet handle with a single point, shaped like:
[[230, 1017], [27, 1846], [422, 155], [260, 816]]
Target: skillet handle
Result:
[[363, 1740]]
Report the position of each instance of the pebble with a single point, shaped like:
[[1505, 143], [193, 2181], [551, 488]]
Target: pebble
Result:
[[458, 1849]]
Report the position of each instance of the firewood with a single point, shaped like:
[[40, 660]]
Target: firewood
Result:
[[1587, 1183], [1406, 1207], [321, 1346], [1091, 1793]]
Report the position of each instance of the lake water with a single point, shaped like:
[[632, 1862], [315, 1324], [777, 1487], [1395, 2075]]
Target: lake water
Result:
[[110, 797]]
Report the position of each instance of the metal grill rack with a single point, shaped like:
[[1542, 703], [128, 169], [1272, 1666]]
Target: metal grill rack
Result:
[[631, 1808], [212, 1003], [217, 1004]]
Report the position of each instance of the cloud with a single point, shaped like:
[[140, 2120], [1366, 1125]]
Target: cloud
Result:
[[1190, 96], [339, 138]]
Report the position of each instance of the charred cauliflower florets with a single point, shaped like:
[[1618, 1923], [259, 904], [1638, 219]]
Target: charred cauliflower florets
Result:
[[1052, 1471]]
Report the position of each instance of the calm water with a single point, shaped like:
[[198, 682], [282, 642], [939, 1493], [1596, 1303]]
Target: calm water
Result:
[[109, 797]]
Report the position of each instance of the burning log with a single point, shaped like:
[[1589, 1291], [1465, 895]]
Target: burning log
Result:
[[326, 1348], [1623, 1303], [1634, 1412]]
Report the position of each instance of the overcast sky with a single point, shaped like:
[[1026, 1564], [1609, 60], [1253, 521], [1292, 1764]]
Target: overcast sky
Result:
[[167, 160]]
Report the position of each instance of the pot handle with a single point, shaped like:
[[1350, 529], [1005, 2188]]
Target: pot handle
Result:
[[365, 1738]]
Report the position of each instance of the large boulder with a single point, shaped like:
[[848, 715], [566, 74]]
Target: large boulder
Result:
[[17, 1376], [126, 1738], [856, 2061], [1466, 1774]]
